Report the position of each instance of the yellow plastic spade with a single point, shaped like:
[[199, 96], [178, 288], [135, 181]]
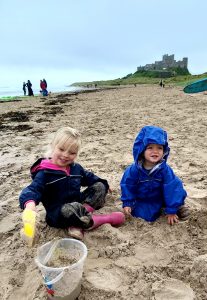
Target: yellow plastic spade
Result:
[[28, 230]]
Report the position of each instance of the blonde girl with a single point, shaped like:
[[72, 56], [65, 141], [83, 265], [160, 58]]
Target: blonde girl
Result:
[[56, 183]]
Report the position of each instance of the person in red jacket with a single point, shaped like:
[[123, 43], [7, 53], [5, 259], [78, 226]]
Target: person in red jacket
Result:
[[43, 87]]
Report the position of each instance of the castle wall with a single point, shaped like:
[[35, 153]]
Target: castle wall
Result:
[[167, 61]]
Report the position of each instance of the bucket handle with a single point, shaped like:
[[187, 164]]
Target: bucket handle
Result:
[[50, 252]]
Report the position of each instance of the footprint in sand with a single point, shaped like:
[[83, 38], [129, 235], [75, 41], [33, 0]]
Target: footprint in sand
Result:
[[172, 289]]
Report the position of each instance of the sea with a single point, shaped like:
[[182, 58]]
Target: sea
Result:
[[12, 91]]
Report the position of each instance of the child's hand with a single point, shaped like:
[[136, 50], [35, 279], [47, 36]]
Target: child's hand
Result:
[[171, 219], [31, 205], [127, 210]]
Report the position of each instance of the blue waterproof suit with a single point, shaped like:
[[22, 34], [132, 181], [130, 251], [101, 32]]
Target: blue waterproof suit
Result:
[[54, 189], [147, 192]]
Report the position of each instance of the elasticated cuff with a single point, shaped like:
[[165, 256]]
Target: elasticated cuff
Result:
[[28, 201], [171, 211]]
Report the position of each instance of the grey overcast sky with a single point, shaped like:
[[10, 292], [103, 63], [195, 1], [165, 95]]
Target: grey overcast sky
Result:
[[84, 40]]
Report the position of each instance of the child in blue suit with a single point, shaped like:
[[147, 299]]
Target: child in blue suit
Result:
[[149, 184]]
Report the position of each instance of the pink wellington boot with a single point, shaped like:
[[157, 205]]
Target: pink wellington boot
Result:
[[88, 207], [115, 219]]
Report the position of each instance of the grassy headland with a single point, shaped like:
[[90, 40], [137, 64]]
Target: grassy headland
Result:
[[147, 77]]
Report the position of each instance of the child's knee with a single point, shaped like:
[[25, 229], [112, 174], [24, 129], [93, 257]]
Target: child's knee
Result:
[[100, 188], [97, 195]]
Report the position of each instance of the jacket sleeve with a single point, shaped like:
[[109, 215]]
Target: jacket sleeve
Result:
[[34, 191], [128, 185], [173, 191], [90, 178]]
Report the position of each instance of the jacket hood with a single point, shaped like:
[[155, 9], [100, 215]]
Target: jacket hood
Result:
[[35, 167], [150, 135]]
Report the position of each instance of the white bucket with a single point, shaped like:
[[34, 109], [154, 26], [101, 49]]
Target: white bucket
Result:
[[62, 282]]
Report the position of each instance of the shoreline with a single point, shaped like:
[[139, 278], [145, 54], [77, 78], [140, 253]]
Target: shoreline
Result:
[[19, 93], [53, 94]]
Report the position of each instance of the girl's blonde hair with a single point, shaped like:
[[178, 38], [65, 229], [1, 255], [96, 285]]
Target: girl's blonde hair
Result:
[[65, 136]]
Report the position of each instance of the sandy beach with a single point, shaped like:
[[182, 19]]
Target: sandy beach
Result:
[[139, 260]]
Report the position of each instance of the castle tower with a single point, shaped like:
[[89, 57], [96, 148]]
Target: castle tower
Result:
[[185, 62], [168, 60]]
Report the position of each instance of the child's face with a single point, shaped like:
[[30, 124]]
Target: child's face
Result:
[[153, 154], [64, 155]]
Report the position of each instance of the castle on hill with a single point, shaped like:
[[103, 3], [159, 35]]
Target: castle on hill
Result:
[[166, 63]]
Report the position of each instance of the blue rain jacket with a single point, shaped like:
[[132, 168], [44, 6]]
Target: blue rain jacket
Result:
[[147, 192], [54, 188]]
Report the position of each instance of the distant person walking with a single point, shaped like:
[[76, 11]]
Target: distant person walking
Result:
[[45, 82], [162, 83], [24, 88], [43, 86], [29, 87]]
